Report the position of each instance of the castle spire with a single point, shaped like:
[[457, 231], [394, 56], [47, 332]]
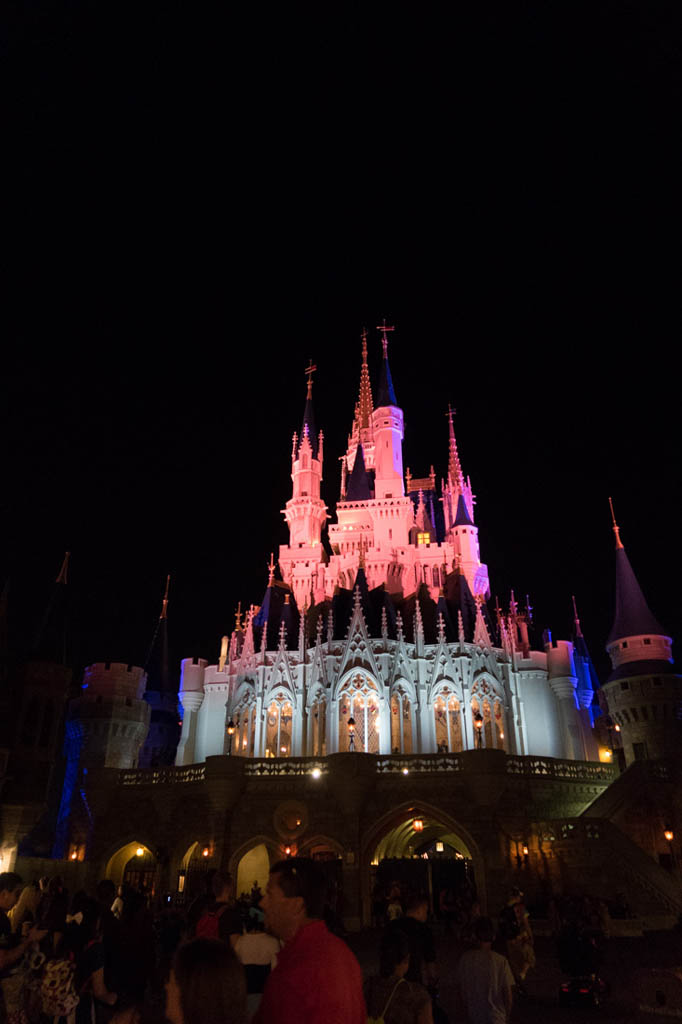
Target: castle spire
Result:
[[157, 663], [386, 394], [308, 428], [633, 616], [576, 620], [616, 530], [357, 485], [63, 572], [365, 406], [164, 603], [455, 474]]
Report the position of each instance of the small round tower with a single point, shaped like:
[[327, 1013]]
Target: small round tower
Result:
[[643, 694], [112, 714]]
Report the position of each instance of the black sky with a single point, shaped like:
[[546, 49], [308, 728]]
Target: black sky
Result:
[[201, 204]]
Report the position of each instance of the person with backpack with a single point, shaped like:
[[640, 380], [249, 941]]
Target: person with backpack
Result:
[[390, 998], [221, 919]]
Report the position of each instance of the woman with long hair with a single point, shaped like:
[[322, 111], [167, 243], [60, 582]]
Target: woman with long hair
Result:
[[206, 985]]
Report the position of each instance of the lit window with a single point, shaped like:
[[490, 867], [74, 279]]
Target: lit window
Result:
[[424, 538]]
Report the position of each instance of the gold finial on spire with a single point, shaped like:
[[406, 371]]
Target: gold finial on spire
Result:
[[384, 340], [309, 371], [271, 568], [63, 572], [616, 530], [363, 335], [576, 620], [164, 603], [238, 618]]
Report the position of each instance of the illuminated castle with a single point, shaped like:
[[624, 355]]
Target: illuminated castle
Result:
[[380, 638]]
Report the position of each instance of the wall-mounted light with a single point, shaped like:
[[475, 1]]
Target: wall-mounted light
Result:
[[418, 825], [139, 852], [206, 852]]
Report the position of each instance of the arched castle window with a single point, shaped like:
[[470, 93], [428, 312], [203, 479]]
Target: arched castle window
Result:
[[317, 726], [488, 704], [498, 725], [401, 722], [359, 700], [448, 721], [245, 721], [436, 576], [278, 719]]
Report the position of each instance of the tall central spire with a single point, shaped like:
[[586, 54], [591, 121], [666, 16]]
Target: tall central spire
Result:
[[455, 474], [365, 403]]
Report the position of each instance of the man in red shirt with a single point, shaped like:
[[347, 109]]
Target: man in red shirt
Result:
[[317, 979]]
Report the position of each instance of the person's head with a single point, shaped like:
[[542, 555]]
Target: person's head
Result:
[[294, 895], [417, 907], [206, 985], [484, 931], [221, 884], [10, 889], [106, 892], [395, 954]]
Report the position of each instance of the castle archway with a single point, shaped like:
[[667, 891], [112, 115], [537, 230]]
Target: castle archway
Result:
[[135, 865], [418, 848]]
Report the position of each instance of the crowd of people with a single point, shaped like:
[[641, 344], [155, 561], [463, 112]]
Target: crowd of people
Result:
[[268, 958]]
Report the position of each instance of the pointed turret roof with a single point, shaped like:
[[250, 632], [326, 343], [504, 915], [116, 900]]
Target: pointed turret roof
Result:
[[633, 616], [158, 661], [357, 488], [308, 426], [462, 518], [50, 643], [385, 393]]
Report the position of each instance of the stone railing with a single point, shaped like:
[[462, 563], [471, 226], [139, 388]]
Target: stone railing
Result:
[[273, 766], [553, 768], [165, 776], [406, 765], [395, 764]]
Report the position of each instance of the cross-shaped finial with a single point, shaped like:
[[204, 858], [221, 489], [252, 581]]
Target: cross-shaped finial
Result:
[[238, 617], [309, 371], [450, 413], [384, 330], [271, 569], [363, 335]]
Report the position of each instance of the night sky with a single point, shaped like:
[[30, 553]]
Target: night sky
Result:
[[201, 208]]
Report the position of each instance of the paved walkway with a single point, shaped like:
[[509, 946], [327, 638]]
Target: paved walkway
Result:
[[623, 958]]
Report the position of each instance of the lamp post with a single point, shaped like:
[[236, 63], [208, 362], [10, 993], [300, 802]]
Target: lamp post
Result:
[[230, 732], [351, 733], [478, 725]]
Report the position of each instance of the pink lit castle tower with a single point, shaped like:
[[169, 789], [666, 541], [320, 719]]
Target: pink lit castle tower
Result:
[[378, 637]]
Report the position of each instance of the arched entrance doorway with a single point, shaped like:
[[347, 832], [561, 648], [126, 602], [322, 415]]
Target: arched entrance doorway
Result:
[[135, 865], [253, 870], [419, 849]]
